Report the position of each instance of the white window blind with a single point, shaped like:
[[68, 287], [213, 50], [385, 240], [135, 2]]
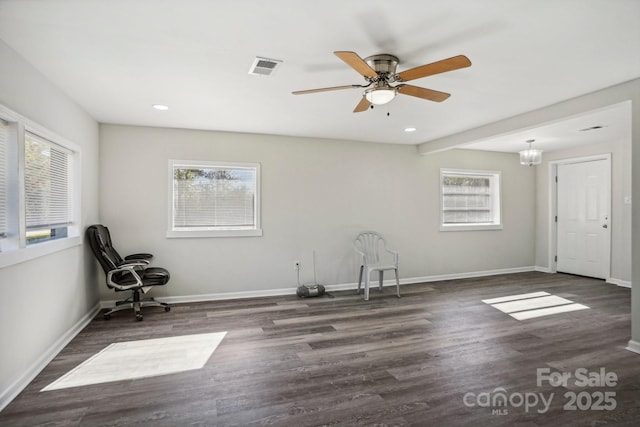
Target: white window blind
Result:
[[466, 199], [470, 200], [48, 180], [4, 189], [211, 197]]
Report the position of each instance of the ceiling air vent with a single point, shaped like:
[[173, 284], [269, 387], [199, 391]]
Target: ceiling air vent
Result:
[[264, 66]]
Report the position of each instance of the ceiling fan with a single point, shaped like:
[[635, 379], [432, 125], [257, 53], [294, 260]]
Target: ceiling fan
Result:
[[380, 71]]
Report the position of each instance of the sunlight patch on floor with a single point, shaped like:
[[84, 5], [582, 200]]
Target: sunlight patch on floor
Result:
[[142, 359], [532, 305]]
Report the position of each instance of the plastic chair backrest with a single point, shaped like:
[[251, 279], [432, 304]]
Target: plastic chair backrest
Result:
[[368, 242]]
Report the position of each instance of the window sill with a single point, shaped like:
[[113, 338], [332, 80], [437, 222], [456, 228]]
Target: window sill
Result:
[[172, 234], [471, 227], [37, 250]]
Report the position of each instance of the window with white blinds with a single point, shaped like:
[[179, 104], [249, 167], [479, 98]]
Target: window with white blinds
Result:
[[48, 188], [39, 183], [469, 200], [4, 189], [211, 199]]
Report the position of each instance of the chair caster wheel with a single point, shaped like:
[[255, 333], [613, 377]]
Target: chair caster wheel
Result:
[[139, 317], [106, 316], [167, 308]]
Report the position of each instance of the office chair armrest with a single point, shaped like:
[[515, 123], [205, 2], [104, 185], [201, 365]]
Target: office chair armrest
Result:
[[142, 256], [129, 268], [135, 261]]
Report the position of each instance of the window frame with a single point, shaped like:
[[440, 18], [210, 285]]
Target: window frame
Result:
[[14, 247], [4, 179], [496, 192], [227, 232]]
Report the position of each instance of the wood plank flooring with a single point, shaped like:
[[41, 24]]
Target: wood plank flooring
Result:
[[347, 362]]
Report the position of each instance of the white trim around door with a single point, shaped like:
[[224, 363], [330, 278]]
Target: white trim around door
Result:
[[553, 207]]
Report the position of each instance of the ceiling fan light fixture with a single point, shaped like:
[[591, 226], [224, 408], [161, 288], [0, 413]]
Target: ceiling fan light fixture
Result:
[[380, 96], [530, 156], [380, 70]]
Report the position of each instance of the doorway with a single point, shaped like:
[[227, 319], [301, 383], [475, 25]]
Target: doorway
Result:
[[583, 216]]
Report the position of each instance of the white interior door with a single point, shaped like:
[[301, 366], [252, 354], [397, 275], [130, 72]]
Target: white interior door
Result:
[[584, 232]]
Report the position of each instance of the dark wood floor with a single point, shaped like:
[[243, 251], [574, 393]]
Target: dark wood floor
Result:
[[344, 361]]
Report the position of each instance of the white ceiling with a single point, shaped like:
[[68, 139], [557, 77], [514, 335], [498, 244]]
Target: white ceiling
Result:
[[116, 58], [603, 125]]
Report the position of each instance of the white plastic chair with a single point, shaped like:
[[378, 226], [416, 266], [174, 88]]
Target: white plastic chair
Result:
[[367, 245]]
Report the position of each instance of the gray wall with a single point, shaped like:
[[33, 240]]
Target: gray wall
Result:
[[42, 299], [316, 195]]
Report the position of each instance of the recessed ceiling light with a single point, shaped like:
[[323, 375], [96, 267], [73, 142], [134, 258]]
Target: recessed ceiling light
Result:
[[410, 129], [160, 107]]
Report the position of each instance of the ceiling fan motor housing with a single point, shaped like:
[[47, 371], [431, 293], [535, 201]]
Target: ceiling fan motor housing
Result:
[[384, 64]]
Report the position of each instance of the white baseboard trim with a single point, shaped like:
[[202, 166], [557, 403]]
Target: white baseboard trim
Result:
[[633, 346], [542, 269], [619, 282], [329, 288], [470, 275], [7, 395]]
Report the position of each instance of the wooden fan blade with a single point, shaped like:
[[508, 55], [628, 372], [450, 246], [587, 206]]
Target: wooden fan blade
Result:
[[420, 92], [363, 105], [354, 61], [438, 67], [325, 89]]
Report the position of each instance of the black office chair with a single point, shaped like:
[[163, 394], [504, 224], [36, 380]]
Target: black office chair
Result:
[[131, 274]]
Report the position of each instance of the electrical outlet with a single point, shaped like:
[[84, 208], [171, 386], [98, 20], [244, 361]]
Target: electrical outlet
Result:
[[296, 265]]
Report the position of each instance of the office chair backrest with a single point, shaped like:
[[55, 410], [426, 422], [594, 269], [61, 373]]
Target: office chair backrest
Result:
[[100, 242]]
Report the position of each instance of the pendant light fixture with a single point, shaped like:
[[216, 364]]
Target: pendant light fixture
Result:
[[530, 156]]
